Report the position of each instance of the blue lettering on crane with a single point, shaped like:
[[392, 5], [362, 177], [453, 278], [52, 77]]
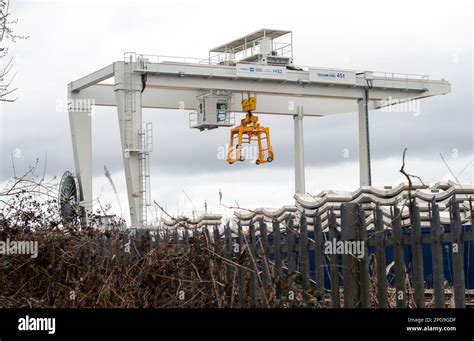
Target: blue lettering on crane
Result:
[[340, 75]]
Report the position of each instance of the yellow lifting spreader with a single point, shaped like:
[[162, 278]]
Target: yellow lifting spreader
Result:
[[248, 131]]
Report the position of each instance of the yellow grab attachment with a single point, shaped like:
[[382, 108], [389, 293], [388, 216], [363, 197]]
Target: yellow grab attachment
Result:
[[248, 131]]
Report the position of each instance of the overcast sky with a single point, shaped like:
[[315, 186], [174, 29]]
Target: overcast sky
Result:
[[69, 39]]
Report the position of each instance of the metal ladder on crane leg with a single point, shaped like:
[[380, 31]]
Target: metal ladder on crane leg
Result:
[[129, 104], [146, 140]]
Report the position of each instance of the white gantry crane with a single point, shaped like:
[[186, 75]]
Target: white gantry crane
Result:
[[259, 65]]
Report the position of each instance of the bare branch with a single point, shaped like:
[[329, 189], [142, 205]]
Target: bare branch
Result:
[[409, 176], [7, 34]]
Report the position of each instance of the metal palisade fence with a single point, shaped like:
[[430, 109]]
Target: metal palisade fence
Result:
[[297, 261]]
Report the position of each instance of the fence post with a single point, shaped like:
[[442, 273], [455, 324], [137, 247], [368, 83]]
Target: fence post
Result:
[[399, 258], [291, 254], [253, 260], [471, 211], [207, 238], [176, 238], [186, 238], [229, 267], [417, 260], [277, 253], [304, 264], [363, 261], [334, 262], [380, 258], [458, 255], [241, 271], [265, 256], [217, 239], [319, 255], [350, 265], [157, 235], [437, 256]]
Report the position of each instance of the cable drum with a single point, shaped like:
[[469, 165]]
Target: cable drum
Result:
[[68, 197]]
